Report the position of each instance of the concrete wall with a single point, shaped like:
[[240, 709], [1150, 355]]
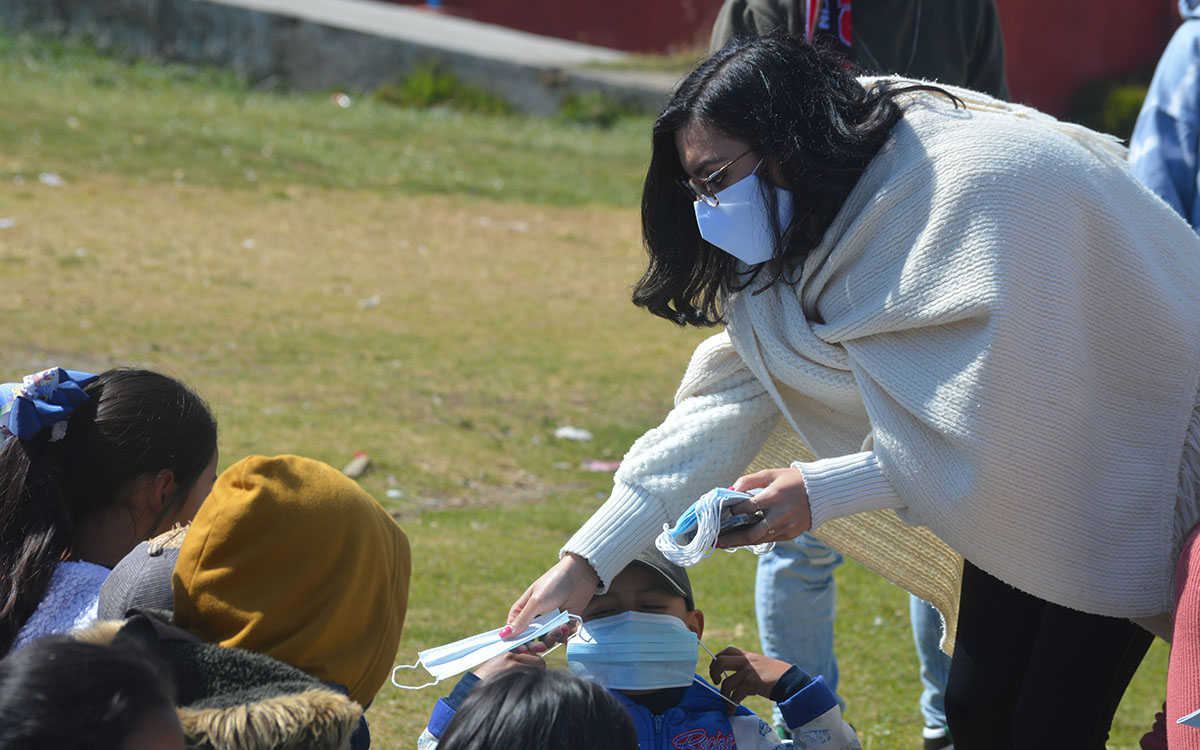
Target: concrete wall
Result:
[[273, 47]]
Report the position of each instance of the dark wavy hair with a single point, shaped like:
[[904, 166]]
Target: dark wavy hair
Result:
[[136, 422], [528, 708], [64, 694], [796, 106]]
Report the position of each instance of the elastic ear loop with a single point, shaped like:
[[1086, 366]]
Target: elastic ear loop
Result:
[[707, 527], [555, 646], [698, 681], [414, 665]]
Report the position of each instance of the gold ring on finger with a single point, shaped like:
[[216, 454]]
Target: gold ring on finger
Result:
[[758, 512], [770, 531]]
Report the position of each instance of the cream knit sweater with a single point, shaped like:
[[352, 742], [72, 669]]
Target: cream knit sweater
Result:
[[998, 338]]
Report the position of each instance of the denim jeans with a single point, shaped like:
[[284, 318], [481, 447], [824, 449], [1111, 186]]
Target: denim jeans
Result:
[[796, 601], [935, 664]]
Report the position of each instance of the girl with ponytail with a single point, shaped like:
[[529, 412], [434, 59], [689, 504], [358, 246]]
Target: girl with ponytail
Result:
[[90, 465]]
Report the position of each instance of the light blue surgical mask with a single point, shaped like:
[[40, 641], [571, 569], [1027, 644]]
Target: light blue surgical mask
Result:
[[454, 658], [634, 651], [740, 223]]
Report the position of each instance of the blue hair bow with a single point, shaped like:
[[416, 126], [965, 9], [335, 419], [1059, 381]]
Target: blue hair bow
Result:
[[41, 400]]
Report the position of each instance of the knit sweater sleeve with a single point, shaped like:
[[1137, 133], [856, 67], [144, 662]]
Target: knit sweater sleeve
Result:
[[722, 416], [849, 484]]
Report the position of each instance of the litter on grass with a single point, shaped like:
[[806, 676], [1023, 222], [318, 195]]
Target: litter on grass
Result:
[[593, 464], [567, 432], [358, 465]]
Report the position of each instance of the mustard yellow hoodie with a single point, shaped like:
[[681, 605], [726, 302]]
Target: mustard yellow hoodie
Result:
[[290, 558]]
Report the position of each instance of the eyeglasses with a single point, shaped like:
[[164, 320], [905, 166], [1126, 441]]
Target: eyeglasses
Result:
[[701, 190]]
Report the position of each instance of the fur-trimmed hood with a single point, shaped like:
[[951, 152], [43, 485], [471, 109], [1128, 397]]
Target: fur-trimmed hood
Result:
[[232, 699]]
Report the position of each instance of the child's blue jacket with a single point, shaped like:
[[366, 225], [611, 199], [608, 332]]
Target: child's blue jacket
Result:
[[701, 720]]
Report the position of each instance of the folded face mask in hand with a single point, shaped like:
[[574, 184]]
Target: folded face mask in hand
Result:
[[695, 533], [453, 658]]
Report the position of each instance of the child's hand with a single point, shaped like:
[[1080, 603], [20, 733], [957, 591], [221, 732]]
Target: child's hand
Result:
[[498, 665], [547, 641], [753, 674]]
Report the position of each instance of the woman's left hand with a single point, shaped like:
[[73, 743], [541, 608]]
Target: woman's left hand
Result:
[[569, 585], [782, 508]]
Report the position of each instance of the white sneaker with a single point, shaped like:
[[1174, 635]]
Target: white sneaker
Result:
[[937, 738]]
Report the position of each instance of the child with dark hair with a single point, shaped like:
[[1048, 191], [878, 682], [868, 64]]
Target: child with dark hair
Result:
[[640, 640], [90, 465], [67, 695], [531, 708]]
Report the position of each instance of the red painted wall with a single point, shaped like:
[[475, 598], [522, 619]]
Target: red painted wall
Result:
[[1053, 46]]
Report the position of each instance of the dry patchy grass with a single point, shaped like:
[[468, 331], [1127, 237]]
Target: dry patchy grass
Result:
[[332, 304], [495, 323], [423, 330]]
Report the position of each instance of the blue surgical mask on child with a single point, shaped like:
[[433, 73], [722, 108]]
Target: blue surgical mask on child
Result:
[[740, 224], [634, 651]]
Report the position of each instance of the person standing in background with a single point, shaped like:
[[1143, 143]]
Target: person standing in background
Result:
[[950, 41], [958, 42], [1166, 140], [1162, 156]]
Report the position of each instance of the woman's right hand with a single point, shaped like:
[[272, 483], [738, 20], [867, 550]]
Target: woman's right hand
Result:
[[569, 585], [782, 508]]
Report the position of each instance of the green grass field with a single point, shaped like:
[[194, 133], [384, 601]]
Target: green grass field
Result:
[[439, 289]]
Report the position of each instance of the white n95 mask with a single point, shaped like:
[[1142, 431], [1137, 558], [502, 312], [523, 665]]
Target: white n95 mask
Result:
[[634, 651], [459, 656], [741, 225]]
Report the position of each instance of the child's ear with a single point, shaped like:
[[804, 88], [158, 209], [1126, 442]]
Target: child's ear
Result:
[[151, 491], [148, 497], [165, 488], [695, 622]]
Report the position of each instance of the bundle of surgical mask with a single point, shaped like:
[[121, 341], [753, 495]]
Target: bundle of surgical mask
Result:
[[694, 535]]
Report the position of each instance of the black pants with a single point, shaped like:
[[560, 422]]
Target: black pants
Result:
[[1029, 674]]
